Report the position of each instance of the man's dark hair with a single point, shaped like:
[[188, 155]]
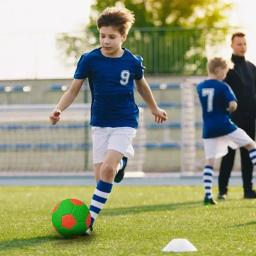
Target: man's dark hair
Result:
[[237, 34]]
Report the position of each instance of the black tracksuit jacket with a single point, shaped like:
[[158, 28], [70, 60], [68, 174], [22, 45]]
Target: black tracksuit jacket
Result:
[[242, 80]]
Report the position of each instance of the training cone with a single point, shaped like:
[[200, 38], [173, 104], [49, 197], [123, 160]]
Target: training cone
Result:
[[179, 245]]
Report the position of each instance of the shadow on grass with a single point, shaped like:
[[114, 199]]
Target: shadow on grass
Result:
[[150, 208], [244, 224], [41, 241]]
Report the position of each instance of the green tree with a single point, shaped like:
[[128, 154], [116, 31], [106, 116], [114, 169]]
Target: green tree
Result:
[[171, 35], [170, 13]]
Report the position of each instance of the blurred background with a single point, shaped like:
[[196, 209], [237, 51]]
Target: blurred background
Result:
[[41, 42]]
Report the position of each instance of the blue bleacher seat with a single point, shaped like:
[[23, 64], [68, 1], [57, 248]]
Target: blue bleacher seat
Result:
[[163, 105], [17, 88], [58, 87], [2, 88], [164, 86]]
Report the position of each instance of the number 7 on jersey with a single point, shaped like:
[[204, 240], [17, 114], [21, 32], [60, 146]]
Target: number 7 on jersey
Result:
[[209, 93]]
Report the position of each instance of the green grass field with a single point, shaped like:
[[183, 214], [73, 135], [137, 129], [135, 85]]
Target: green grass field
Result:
[[136, 221]]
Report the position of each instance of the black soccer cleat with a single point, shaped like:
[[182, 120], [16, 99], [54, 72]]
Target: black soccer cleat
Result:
[[251, 194], [209, 201], [120, 173]]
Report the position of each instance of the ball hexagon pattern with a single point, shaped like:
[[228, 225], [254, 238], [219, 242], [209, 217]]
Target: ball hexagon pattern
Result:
[[71, 217]]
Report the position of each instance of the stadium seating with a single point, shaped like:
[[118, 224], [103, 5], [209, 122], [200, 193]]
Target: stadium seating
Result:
[[14, 88], [2, 88], [63, 87], [58, 88], [153, 86], [163, 86]]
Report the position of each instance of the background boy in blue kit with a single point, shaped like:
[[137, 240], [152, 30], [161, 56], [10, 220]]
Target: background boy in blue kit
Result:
[[219, 132]]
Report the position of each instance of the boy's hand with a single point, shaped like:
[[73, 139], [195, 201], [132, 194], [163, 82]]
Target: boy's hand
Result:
[[232, 106], [160, 115], [55, 116]]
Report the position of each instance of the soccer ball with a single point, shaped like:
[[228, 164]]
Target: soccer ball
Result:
[[71, 217]]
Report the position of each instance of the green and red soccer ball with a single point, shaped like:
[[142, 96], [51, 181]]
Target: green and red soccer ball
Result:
[[71, 217]]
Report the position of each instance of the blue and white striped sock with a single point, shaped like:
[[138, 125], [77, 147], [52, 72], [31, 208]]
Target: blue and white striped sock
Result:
[[99, 198], [208, 180], [252, 155]]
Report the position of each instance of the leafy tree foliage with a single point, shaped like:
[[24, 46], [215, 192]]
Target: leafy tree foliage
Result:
[[171, 35]]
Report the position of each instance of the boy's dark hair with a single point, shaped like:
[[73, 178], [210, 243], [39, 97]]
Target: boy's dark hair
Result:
[[237, 34], [120, 18]]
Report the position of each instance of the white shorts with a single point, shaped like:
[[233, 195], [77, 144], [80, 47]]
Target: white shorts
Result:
[[218, 147], [108, 138]]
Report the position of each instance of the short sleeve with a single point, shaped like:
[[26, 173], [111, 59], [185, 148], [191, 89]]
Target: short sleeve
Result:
[[139, 68], [229, 94], [82, 69]]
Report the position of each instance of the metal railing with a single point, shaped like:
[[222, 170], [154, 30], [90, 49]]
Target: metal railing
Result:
[[169, 50]]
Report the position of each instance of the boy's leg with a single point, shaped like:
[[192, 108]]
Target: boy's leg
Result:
[[252, 155], [247, 161], [247, 169], [105, 183], [252, 152], [121, 141], [242, 139], [96, 168], [208, 182], [226, 167], [120, 172]]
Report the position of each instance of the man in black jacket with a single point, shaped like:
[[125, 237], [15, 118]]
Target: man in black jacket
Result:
[[242, 79]]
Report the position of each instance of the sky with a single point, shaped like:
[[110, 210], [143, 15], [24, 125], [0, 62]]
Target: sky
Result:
[[28, 30], [243, 15]]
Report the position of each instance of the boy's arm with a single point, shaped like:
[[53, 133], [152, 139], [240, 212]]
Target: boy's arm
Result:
[[66, 99], [232, 106], [146, 94], [231, 98]]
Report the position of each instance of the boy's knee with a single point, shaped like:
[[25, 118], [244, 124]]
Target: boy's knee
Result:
[[250, 146], [107, 171]]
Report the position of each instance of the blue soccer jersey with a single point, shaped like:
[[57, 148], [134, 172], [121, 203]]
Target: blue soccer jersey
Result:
[[111, 83], [214, 97]]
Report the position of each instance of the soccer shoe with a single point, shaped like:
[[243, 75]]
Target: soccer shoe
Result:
[[120, 173], [209, 201], [250, 194], [89, 231], [222, 196]]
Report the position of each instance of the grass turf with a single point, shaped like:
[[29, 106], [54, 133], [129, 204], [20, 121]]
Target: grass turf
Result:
[[135, 221]]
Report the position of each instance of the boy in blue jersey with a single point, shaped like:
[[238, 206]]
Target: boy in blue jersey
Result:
[[219, 132], [111, 71]]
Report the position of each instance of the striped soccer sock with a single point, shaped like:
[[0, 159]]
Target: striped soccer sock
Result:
[[252, 155], [99, 198], [208, 180]]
